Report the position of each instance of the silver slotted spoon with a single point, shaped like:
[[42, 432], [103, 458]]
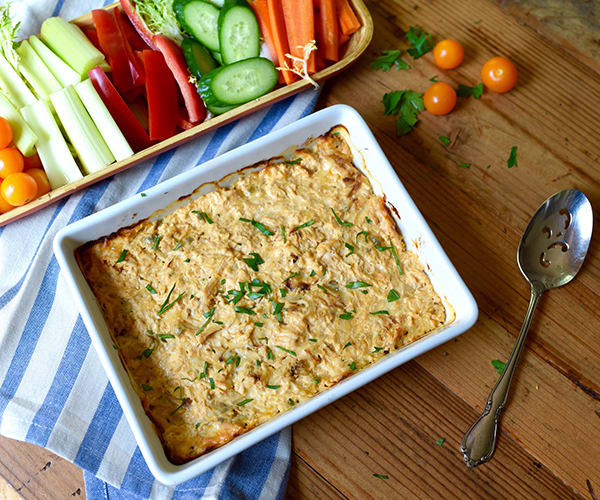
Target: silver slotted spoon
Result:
[[550, 254]]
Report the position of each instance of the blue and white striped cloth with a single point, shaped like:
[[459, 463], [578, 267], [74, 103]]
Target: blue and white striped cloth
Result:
[[53, 390]]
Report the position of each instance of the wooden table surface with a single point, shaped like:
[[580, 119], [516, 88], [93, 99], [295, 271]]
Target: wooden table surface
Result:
[[549, 444]]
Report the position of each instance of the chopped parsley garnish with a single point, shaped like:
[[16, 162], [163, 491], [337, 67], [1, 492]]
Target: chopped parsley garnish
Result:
[[143, 195], [146, 353], [258, 362], [146, 387], [254, 261], [273, 387], [166, 305], [380, 312], [356, 284], [270, 354], [122, 256], [197, 425], [369, 221], [312, 273], [346, 315], [165, 336], [278, 306], [407, 105], [223, 281], [340, 221], [377, 349], [395, 254], [258, 324], [466, 91], [312, 340], [218, 322], [295, 161], [286, 350], [244, 402], [512, 159], [347, 345], [306, 224], [261, 227], [208, 315], [349, 247], [178, 246], [464, 165], [183, 401], [237, 296], [157, 239], [316, 380], [420, 42], [282, 292], [243, 310], [440, 441], [364, 292], [150, 289], [381, 476], [211, 382], [389, 59], [232, 359], [291, 402], [202, 216], [352, 366], [322, 287], [366, 234], [393, 295], [498, 365], [283, 233], [445, 140], [433, 79], [205, 370], [293, 275], [187, 260]]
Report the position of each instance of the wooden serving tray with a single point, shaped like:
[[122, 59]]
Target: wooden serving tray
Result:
[[356, 46]]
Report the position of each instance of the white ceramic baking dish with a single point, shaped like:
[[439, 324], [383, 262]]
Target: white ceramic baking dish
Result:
[[460, 305]]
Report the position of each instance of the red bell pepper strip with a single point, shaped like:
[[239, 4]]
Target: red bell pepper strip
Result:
[[176, 63], [127, 72], [128, 7], [135, 134], [133, 37], [92, 36], [161, 93]]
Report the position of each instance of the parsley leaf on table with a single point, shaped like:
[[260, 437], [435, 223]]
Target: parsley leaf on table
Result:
[[405, 103], [388, 60], [466, 91], [445, 140], [498, 365], [512, 159], [464, 165], [420, 42]]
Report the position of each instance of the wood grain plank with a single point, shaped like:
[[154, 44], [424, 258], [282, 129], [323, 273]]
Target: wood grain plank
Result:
[[391, 426], [33, 472], [305, 482]]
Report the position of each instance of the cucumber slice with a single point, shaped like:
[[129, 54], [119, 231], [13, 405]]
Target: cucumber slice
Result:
[[217, 55], [198, 57], [238, 83], [239, 35], [219, 110], [200, 19]]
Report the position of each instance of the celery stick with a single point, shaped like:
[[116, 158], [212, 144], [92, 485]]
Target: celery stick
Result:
[[15, 88], [115, 140], [60, 69], [83, 134], [71, 45], [23, 137], [34, 70], [52, 148]]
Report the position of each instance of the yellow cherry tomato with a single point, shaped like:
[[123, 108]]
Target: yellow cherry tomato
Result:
[[11, 161], [439, 99], [41, 179], [499, 75], [6, 133], [18, 189], [5, 206], [448, 54]]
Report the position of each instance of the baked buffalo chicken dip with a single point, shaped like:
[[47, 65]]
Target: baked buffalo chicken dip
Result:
[[255, 297]]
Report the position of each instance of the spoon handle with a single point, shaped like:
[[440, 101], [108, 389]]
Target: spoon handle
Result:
[[479, 442]]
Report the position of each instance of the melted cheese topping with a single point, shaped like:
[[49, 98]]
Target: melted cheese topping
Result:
[[254, 298]]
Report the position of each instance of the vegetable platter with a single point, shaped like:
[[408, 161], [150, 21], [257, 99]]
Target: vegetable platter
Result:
[[141, 82]]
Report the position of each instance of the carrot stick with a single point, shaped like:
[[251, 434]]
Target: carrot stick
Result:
[[261, 11], [348, 20], [280, 41], [343, 39], [329, 30], [300, 26]]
